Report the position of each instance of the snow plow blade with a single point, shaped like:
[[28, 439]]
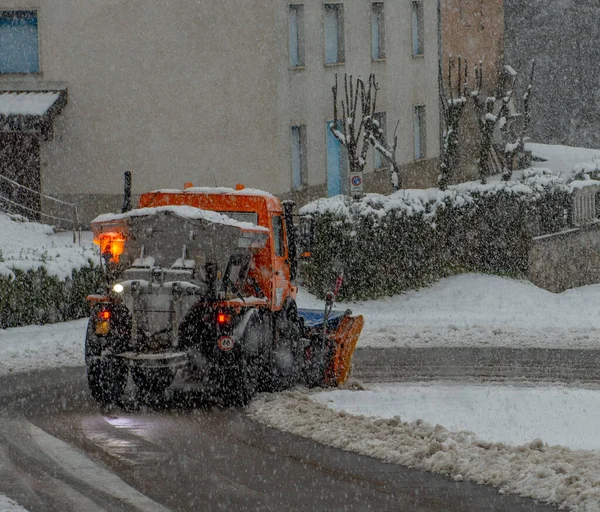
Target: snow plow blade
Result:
[[346, 338], [342, 333]]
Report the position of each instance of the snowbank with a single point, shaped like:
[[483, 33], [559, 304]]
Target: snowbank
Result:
[[472, 310], [28, 246], [41, 347], [8, 505], [550, 473], [562, 159]]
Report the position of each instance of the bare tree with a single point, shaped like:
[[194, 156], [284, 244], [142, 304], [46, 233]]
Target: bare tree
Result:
[[349, 130], [377, 138], [452, 110], [489, 119], [514, 133], [358, 129], [378, 141]]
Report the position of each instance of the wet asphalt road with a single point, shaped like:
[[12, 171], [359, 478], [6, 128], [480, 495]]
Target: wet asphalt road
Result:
[[207, 458]]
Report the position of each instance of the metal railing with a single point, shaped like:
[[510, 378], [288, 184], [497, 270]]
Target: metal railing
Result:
[[69, 219], [583, 209]]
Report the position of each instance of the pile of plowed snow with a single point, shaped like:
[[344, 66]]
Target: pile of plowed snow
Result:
[[551, 473]]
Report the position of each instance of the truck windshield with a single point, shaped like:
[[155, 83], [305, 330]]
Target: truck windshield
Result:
[[251, 217]]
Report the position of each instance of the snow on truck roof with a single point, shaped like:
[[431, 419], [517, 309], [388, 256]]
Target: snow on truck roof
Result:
[[187, 212], [214, 190]]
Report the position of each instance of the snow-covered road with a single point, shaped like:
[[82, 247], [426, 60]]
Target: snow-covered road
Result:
[[462, 311]]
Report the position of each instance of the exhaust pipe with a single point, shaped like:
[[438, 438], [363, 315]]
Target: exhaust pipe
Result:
[[126, 193], [288, 212]]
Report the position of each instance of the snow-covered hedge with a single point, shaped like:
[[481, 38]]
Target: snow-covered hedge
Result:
[[44, 276], [387, 244], [34, 297]]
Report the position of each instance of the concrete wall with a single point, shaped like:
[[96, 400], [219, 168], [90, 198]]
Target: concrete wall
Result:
[[177, 90], [561, 261]]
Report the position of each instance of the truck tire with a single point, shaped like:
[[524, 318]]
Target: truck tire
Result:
[[238, 385], [107, 375], [152, 381], [287, 354]]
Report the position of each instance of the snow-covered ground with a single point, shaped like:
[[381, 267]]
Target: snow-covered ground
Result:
[[29, 245], [8, 505], [41, 347], [479, 310], [562, 159], [385, 422], [465, 310], [511, 414]]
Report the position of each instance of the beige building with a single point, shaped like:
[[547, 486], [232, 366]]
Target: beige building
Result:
[[214, 93], [474, 31]]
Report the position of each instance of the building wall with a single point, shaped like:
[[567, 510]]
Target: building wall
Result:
[[178, 91], [305, 94], [473, 30]]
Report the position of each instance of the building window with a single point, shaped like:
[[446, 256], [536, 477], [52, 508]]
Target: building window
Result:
[[417, 29], [296, 33], [377, 31], [380, 121], [299, 167], [419, 132], [19, 52], [334, 33]]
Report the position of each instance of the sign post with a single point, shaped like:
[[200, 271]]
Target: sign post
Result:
[[356, 185]]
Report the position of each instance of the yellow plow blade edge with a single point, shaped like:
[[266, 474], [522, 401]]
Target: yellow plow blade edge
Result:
[[346, 338]]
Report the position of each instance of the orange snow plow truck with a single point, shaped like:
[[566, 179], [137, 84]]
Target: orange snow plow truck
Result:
[[200, 285]]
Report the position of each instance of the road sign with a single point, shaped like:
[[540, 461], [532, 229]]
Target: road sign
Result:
[[356, 184]]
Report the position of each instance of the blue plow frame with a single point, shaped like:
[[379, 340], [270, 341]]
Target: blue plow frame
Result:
[[314, 318]]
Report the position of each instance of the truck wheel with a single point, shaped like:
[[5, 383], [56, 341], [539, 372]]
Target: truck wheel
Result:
[[287, 355], [152, 381], [107, 375], [107, 379], [238, 385]]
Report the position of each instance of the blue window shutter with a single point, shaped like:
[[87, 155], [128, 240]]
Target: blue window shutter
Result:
[[334, 163], [19, 42]]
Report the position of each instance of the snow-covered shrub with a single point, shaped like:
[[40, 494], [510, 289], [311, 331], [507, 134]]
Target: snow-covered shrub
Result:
[[387, 244], [585, 171], [35, 297]]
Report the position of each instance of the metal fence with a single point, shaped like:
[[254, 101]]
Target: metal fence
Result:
[[64, 214], [584, 208]]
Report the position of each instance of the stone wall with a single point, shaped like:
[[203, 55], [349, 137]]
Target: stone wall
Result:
[[560, 261]]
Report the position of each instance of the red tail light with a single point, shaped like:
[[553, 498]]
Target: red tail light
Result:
[[104, 314], [223, 318]]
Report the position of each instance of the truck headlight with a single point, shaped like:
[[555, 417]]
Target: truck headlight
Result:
[[118, 288]]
